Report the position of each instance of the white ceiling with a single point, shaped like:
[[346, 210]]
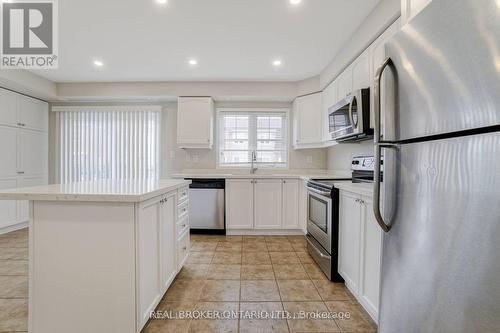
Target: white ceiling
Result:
[[141, 40]]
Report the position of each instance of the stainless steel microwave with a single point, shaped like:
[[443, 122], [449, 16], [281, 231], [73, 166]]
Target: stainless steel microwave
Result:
[[349, 119]]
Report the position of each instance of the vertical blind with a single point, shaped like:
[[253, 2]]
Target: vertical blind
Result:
[[109, 144], [243, 133]]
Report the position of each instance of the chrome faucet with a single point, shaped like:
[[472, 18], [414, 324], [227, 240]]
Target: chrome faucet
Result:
[[253, 168]]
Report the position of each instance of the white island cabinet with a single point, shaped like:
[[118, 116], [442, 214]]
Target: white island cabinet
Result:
[[102, 254]]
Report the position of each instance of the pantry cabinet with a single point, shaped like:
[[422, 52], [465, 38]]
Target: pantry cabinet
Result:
[[263, 203], [307, 121], [24, 151], [195, 122], [360, 250]]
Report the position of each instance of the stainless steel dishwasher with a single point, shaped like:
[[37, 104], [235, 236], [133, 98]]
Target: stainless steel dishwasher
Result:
[[206, 206]]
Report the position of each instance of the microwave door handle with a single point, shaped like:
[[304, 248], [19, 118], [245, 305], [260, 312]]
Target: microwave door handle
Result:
[[351, 119], [378, 146]]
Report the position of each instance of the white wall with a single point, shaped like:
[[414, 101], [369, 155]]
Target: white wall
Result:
[[339, 157]]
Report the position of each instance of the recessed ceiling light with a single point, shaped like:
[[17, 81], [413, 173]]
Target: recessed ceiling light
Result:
[[277, 62], [295, 2], [162, 2], [193, 62], [98, 63]]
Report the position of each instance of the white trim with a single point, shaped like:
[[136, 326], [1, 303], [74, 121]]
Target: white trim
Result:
[[288, 134], [117, 108], [13, 227], [270, 232]]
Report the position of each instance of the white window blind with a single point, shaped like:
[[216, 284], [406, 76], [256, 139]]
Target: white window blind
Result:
[[109, 144], [241, 133]]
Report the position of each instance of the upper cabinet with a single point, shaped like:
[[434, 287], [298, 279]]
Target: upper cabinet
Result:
[[410, 8], [33, 114], [361, 71], [22, 111], [307, 121], [345, 83], [329, 99], [195, 122]]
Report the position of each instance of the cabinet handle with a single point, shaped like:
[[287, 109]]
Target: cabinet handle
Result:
[[19, 124], [184, 248], [284, 182], [20, 172], [183, 225]]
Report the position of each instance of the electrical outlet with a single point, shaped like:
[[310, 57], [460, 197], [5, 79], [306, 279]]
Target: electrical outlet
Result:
[[309, 159]]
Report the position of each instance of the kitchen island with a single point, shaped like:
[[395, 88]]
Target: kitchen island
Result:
[[103, 253]]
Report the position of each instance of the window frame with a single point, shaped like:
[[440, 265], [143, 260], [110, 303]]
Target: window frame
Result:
[[285, 111]]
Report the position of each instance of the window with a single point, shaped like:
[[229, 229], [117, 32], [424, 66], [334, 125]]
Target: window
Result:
[[241, 133], [109, 143]]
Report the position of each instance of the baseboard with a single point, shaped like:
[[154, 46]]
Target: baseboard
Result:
[[270, 232], [13, 227]]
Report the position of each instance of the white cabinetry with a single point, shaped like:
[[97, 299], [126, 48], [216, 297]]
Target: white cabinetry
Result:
[[24, 151], [361, 71], [330, 95], [307, 121], [267, 203], [345, 83], [195, 118], [410, 8], [349, 239], [239, 204], [264, 203], [148, 253], [291, 204], [157, 250], [360, 250]]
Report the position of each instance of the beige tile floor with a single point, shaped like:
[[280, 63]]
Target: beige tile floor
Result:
[[233, 273], [14, 281], [256, 273]]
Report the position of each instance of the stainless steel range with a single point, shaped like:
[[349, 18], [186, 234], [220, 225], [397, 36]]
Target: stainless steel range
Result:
[[323, 225]]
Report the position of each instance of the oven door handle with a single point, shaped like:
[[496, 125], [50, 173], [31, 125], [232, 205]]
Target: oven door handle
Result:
[[319, 192]]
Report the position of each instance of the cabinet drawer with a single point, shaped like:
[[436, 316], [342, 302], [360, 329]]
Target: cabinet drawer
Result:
[[183, 244], [182, 210], [182, 225], [183, 194]]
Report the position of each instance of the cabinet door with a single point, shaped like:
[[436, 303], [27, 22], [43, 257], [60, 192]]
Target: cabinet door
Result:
[[239, 204], [8, 208], [361, 71], [349, 229], [371, 251], [308, 119], [8, 152], [290, 204], [168, 241], [23, 208], [33, 114], [8, 108], [410, 8], [267, 203], [148, 258], [345, 83], [32, 152], [329, 99], [195, 121]]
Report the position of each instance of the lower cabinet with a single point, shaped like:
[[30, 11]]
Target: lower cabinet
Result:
[[160, 252], [360, 250], [263, 203]]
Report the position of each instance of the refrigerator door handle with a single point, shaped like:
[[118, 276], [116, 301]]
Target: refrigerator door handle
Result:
[[378, 145]]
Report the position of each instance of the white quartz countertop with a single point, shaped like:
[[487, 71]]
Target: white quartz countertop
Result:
[[339, 175], [364, 189], [105, 190]]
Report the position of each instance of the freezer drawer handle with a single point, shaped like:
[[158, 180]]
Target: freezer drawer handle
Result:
[[378, 145]]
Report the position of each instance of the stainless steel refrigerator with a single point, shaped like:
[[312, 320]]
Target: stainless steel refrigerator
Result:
[[440, 201]]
